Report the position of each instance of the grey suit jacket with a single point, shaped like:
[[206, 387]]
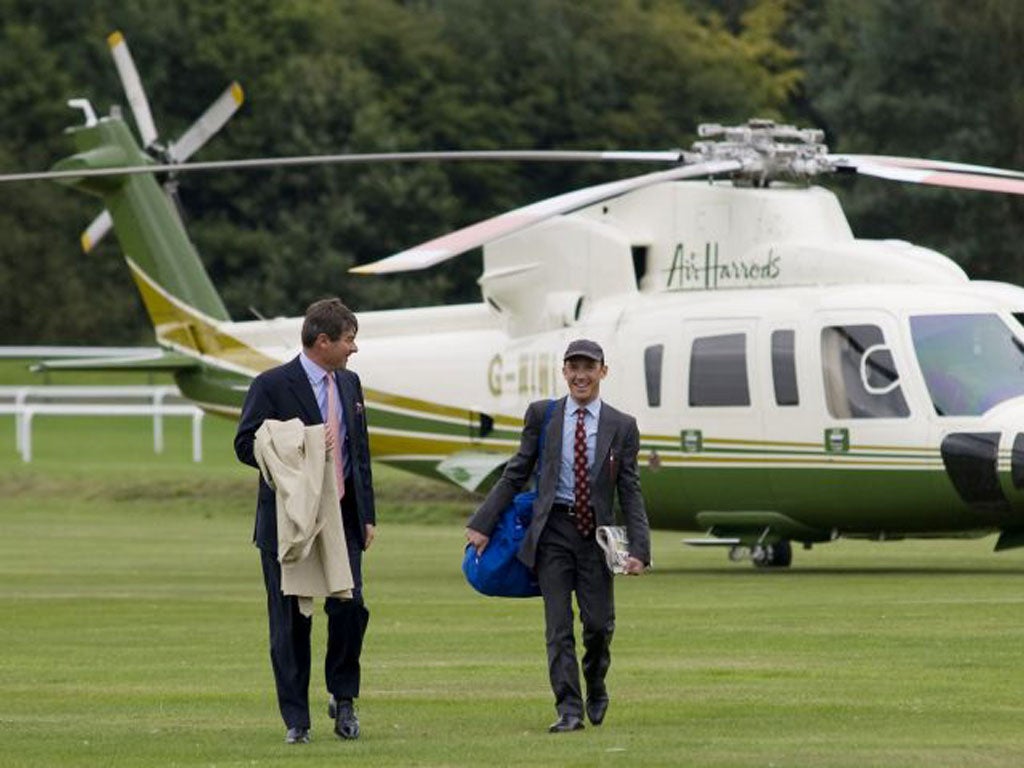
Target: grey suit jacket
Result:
[[614, 470]]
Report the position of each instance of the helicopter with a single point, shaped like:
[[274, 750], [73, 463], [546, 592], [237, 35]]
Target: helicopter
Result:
[[792, 383]]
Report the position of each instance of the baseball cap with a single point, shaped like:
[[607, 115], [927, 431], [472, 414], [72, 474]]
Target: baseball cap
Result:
[[584, 348]]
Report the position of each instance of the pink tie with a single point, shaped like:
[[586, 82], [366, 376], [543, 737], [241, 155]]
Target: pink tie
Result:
[[333, 422], [584, 514]]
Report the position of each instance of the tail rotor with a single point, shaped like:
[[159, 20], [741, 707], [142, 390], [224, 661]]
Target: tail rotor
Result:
[[176, 152]]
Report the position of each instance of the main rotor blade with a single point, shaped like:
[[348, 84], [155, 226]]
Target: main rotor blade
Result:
[[132, 87], [447, 246], [211, 121], [96, 230], [381, 157], [853, 162], [984, 183]]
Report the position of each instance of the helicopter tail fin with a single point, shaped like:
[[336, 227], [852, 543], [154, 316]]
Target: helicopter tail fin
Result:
[[175, 288]]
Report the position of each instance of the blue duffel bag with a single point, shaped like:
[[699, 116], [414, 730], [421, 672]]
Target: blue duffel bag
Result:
[[498, 572]]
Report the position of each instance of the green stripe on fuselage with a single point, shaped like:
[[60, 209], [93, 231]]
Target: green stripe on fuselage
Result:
[[424, 424], [862, 501]]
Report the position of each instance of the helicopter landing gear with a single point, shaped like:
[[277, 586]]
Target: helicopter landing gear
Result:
[[738, 553], [777, 555]]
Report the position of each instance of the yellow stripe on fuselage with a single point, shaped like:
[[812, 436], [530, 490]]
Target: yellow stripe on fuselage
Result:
[[189, 331], [414, 406]]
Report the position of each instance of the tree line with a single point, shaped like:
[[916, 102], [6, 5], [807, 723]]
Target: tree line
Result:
[[925, 78]]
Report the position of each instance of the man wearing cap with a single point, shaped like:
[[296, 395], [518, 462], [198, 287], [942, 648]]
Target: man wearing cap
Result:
[[590, 454]]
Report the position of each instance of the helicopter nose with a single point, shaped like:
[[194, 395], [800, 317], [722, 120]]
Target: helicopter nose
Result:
[[1017, 462], [986, 467], [1010, 417], [972, 464]]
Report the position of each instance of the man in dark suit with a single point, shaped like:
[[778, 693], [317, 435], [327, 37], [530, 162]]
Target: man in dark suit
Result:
[[314, 387], [590, 455]]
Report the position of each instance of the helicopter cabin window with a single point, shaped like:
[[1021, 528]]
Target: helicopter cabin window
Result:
[[970, 362], [718, 371], [652, 373], [784, 368], [861, 381]]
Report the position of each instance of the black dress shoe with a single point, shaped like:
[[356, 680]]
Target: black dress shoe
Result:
[[346, 724], [596, 709], [566, 723], [297, 736]]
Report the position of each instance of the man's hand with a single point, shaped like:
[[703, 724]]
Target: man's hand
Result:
[[368, 533], [478, 540], [633, 566]]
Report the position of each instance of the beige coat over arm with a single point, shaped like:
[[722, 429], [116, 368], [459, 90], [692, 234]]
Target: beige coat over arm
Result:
[[310, 538]]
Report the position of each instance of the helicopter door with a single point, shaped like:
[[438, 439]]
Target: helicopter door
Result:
[[655, 402], [720, 422], [868, 429]]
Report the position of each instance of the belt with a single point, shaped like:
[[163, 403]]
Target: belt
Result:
[[567, 509]]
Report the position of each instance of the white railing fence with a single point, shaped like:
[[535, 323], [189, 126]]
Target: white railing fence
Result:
[[27, 402]]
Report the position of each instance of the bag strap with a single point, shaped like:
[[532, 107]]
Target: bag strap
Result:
[[540, 440]]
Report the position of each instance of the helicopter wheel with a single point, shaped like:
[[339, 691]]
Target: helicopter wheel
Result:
[[738, 553], [777, 555]]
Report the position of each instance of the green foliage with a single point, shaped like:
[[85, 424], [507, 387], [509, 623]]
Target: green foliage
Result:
[[350, 76], [50, 292], [924, 78]]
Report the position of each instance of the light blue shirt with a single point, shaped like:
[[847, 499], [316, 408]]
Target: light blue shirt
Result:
[[565, 491], [316, 374]]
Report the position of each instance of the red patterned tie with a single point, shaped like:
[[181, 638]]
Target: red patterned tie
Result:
[[333, 424], [584, 514]]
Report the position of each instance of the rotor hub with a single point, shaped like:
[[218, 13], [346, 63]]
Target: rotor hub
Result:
[[767, 151]]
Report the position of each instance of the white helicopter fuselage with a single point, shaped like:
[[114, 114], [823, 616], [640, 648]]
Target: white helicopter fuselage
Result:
[[769, 357], [785, 387]]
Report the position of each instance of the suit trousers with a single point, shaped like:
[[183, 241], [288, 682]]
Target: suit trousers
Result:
[[567, 563], [290, 654]]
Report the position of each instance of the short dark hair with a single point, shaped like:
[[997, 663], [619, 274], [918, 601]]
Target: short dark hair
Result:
[[327, 316]]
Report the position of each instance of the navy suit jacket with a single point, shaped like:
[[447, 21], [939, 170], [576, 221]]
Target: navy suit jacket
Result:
[[285, 393]]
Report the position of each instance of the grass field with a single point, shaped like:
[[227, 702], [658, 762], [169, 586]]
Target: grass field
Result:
[[133, 633], [16, 371]]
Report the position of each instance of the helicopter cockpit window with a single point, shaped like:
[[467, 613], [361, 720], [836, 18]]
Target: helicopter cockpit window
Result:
[[784, 368], [652, 373], [718, 371], [970, 362], [861, 380]]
